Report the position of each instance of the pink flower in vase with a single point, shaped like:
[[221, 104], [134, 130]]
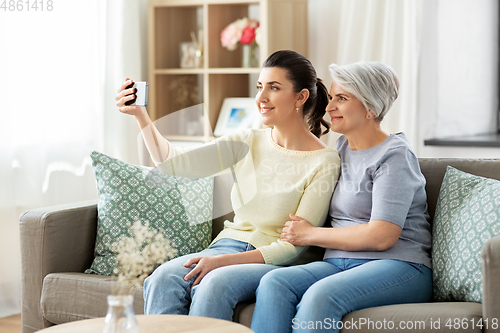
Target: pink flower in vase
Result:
[[248, 35], [240, 31]]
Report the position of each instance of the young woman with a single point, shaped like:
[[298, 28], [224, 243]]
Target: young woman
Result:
[[378, 240], [287, 170]]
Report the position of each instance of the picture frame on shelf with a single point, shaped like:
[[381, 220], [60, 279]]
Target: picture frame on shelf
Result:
[[237, 114]]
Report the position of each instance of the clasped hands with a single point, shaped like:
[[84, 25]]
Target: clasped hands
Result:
[[297, 231]]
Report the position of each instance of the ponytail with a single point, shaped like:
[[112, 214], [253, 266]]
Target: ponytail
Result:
[[315, 115]]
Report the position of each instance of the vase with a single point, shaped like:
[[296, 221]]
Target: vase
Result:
[[121, 316], [250, 56]]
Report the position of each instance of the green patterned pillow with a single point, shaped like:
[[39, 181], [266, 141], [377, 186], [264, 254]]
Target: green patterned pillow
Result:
[[182, 207], [467, 215]]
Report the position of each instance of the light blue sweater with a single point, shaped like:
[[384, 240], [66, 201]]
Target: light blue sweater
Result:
[[383, 183]]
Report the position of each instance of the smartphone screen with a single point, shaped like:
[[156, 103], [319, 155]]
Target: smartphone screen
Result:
[[141, 94]]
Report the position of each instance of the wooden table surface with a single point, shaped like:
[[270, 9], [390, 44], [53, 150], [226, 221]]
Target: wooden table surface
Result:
[[156, 324]]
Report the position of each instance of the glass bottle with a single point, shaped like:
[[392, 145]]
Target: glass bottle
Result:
[[121, 316]]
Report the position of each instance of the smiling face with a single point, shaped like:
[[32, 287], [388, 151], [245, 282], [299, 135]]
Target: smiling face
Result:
[[276, 97], [346, 112]]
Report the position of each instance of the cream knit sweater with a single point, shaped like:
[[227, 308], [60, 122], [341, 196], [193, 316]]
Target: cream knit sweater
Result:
[[272, 182]]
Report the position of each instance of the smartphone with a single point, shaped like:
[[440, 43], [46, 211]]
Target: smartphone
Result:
[[141, 94]]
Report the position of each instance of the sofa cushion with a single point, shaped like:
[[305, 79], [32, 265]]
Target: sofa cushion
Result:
[[467, 214], [415, 317], [75, 296], [418, 318], [434, 169], [182, 207]]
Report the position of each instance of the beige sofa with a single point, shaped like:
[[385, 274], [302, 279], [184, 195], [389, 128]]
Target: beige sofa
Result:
[[57, 245]]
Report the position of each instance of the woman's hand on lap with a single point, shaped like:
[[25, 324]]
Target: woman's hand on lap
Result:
[[203, 266]]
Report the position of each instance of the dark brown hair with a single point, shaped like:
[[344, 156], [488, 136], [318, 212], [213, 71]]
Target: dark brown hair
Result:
[[302, 74]]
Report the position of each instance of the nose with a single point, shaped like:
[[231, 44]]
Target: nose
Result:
[[332, 106], [261, 96]]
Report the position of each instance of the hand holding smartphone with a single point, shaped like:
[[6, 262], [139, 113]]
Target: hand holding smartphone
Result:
[[141, 94]]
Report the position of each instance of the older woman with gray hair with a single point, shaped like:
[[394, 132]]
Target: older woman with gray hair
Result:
[[377, 235]]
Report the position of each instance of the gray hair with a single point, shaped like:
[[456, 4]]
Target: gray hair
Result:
[[374, 84]]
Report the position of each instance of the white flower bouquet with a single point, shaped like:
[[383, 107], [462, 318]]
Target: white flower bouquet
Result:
[[138, 256]]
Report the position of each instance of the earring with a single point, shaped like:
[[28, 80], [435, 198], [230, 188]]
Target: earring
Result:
[[297, 110]]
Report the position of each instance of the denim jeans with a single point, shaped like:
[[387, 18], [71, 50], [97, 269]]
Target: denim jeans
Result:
[[166, 292], [313, 297]]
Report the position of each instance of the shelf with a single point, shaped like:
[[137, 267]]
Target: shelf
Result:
[[480, 140], [159, 3], [181, 20], [176, 92], [222, 86], [167, 71], [221, 15], [232, 70], [200, 91]]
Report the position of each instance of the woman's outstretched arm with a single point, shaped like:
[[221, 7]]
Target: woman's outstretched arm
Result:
[[157, 145]]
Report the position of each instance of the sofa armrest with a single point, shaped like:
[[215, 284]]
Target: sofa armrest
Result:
[[491, 281], [53, 239]]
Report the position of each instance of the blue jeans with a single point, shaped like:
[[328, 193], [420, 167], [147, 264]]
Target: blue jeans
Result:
[[291, 298], [166, 292]]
